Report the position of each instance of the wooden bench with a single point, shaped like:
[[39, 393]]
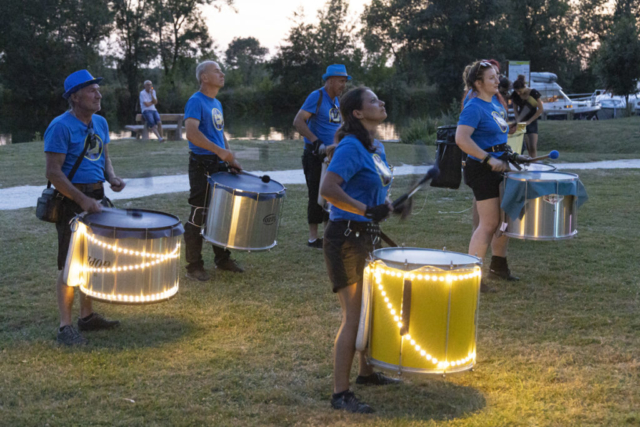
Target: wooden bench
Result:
[[142, 131]]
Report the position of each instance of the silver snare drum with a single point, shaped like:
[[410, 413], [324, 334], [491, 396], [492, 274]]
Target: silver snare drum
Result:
[[548, 213], [243, 211]]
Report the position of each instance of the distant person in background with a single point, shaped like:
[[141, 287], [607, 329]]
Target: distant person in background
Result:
[[210, 153], [317, 121], [527, 101], [64, 141], [148, 101]]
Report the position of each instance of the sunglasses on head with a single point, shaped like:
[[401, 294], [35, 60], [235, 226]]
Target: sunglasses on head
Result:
[[93, 140], [481, 65]]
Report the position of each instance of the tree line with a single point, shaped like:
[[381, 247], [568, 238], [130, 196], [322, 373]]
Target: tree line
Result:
[[412, 52]]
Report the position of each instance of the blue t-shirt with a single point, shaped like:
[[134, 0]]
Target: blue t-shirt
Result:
[[209, 112], [366, 175], [489, 121], [328, 120], [66, 134]]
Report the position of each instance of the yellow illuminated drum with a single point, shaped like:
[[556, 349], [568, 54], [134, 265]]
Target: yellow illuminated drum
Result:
[[419, 310], [125, 256]]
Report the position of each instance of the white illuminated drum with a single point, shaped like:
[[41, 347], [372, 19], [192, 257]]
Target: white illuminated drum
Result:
[[540, 205], [420, 310], [244, 211], [125, 256]]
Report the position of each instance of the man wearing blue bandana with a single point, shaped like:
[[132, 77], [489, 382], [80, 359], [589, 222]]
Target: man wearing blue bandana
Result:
[[317, 121], [210, 153], [69, 135]]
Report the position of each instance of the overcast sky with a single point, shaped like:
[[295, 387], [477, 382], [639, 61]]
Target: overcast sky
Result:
[[267, 20]]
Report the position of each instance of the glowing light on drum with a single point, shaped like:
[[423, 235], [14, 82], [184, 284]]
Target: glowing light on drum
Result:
[[127, 260], [419, 311]]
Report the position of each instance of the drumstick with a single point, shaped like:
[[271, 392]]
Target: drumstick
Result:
[[552, 155], [264, 178], [431, 173]]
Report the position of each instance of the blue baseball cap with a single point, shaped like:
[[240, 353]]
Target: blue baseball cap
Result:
[[78, 80], [336, 70]]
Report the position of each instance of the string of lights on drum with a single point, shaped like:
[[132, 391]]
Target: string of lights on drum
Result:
[[130, 298], [154, 257], [449, 278]]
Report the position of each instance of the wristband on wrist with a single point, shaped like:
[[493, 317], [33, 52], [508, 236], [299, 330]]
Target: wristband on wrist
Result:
[[485, 161]]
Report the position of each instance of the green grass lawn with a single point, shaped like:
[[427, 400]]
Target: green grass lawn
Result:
[[577, 141], [558, 348]]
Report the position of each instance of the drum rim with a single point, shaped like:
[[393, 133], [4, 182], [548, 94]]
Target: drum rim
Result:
[[217, 184], [85, 221], [409, 265], [510, 175]]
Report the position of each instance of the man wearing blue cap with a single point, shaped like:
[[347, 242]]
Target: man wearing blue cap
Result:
[[79, 130], [317, 121]]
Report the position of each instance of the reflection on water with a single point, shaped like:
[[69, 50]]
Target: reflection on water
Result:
[[243, 128]]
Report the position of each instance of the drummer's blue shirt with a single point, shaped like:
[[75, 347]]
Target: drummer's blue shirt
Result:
[[366, 175], [489, 121], [209, 112], [66, 134], [326, 123]]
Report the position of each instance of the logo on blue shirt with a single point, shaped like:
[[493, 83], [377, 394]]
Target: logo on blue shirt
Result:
[[218, 120], [334, 115], [383, 170], [94, 152], [504, 127]]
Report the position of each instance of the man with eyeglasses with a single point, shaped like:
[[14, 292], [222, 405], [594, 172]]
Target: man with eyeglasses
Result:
[[76, 131]]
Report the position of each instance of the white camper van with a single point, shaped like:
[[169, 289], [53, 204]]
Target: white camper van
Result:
[[557, 104]]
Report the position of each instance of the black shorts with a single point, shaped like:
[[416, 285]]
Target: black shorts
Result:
[[345, 256], [69, 210], [533, 127], [484, 182]]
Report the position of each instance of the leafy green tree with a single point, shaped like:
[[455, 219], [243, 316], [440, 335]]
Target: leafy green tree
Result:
[[309, 49], [617, 61], [181, 33], [136, 48], [40, 45], [245, 59]]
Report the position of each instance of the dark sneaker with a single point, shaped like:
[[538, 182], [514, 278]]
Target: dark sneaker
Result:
[[228, 264], [377, 378], [199, 275], [502, 275], [316, 244], [70, 337], [349, 402], [96, 322], [486, 289]]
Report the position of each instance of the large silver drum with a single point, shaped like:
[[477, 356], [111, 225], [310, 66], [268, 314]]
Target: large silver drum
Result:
[[244, 211], [540, 205], [125, 256]]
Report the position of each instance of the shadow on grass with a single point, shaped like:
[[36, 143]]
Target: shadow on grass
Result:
[[424, 400]]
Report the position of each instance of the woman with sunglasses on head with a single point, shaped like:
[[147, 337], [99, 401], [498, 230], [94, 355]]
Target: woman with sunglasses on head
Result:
[[482, 133], [356, 185], [470, 93], [525, 99]]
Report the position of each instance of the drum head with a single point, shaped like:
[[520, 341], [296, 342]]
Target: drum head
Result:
[[542, 176], [245, 183], [413, 258], [136, 223], [538, 167]]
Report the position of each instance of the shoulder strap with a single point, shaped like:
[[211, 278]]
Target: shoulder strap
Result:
[[75, 167], [319, 101]]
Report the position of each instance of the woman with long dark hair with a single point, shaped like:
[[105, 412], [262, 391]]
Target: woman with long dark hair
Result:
[[527, 101], [482, 133], [356, 185]]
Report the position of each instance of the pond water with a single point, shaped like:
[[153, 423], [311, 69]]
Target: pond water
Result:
[[243, 128]]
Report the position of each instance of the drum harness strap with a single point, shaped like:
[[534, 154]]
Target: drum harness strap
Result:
[[370, 228]]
